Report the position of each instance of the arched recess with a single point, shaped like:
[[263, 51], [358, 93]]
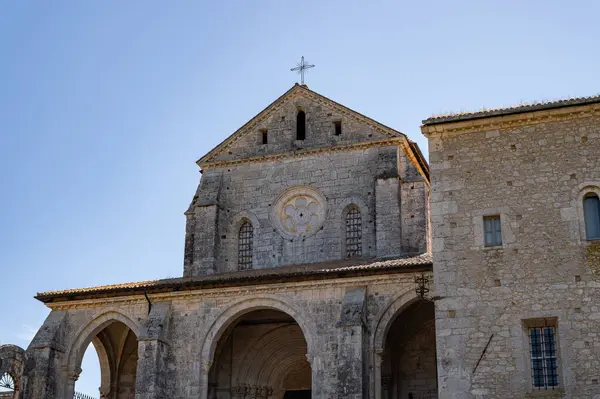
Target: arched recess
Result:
[[342, 210], [403, 348], [578, 194], [12, 368], [383, 322], [115, 336], [279, 343], [233, 237]]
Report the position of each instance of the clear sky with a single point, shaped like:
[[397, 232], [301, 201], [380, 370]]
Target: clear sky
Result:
[[105, 107]]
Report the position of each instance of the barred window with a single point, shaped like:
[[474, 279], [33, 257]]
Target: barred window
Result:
[[544, 368], [353, 233], [245, 238]]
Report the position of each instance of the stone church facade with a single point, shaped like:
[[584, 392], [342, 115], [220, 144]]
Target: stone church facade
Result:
[[323, 260]]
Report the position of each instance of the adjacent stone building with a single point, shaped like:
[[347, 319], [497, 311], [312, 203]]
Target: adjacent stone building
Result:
[[302, 245], [516, 229]]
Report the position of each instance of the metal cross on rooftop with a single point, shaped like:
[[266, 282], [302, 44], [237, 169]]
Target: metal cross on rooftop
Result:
[[301, 67]]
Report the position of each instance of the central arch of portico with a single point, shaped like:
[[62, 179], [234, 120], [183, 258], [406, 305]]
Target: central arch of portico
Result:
[[258, 347]]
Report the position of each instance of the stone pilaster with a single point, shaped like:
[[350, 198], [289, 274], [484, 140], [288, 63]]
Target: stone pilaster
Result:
[[351, 344], [153, 351], [387, 217]]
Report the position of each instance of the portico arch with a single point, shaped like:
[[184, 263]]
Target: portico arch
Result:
[[12, 368], [247, 305], [114, 336], [384, 320], [274, 356], [405, 331]]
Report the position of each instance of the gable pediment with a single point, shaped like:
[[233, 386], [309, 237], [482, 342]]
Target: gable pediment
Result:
[[278, 123]]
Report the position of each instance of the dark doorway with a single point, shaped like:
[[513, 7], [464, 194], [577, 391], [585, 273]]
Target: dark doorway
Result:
[[297, 394]]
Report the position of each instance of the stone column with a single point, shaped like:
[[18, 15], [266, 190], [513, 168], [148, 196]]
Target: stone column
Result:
[[388, 225], [72, 375], [45, 355], [152, 373], [204, 372], [377, 362], [45, 379], [351, 344], [151, 369]]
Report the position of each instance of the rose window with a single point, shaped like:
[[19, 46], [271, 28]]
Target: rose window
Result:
[[298, 212]]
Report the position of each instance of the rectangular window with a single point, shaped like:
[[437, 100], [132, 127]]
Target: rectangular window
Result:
[[338, 127], [544, 368], [492, 231], [591, 213], [265, 136]]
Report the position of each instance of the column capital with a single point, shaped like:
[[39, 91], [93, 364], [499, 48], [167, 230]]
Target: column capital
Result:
[[72, 372]]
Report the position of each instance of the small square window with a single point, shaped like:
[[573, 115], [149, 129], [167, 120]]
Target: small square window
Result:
[[492, 229], [338, 127], [542, 349]]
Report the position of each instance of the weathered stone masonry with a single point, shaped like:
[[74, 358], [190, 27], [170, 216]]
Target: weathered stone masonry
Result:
[[316, 298], [530, 166]]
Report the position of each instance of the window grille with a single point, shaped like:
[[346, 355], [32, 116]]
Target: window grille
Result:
[[353, 233], [544, 369], [492, 231], [7, 382], [245, 238], [591, 212]]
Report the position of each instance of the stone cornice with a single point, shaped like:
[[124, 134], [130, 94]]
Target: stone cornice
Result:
[[397, 141], [235, 292], [512, 121]]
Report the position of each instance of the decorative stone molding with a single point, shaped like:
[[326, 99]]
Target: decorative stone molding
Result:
[[246, 305], [578, 195], [98, 322], [235, 292], [299, 212], [511, 121], [388, 314]]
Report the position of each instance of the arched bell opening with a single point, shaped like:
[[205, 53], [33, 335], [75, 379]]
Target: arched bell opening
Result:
[[116, 347], [262, 354], [409, 369]]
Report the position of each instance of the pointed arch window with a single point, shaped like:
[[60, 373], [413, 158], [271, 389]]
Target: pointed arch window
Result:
[[245, 238], [300, 125], [591, 214], [353, 233]]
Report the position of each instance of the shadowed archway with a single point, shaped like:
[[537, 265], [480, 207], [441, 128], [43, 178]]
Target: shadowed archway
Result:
[[117, 348], [262, 354], [409, 368]]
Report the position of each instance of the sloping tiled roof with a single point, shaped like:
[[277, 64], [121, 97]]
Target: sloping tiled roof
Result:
[[511, 110], [333, 269]]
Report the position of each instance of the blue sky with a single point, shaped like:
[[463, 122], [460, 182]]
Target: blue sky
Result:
[[105, 107]]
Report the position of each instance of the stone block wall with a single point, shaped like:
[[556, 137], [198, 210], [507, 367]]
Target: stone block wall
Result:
[[178, 338], [344, 178], [529, 169]]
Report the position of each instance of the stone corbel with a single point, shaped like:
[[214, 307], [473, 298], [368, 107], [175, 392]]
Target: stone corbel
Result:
[[72, 372]]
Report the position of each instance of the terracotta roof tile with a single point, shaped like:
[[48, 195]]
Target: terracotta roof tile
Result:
[[511, 110], [324, 269]]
